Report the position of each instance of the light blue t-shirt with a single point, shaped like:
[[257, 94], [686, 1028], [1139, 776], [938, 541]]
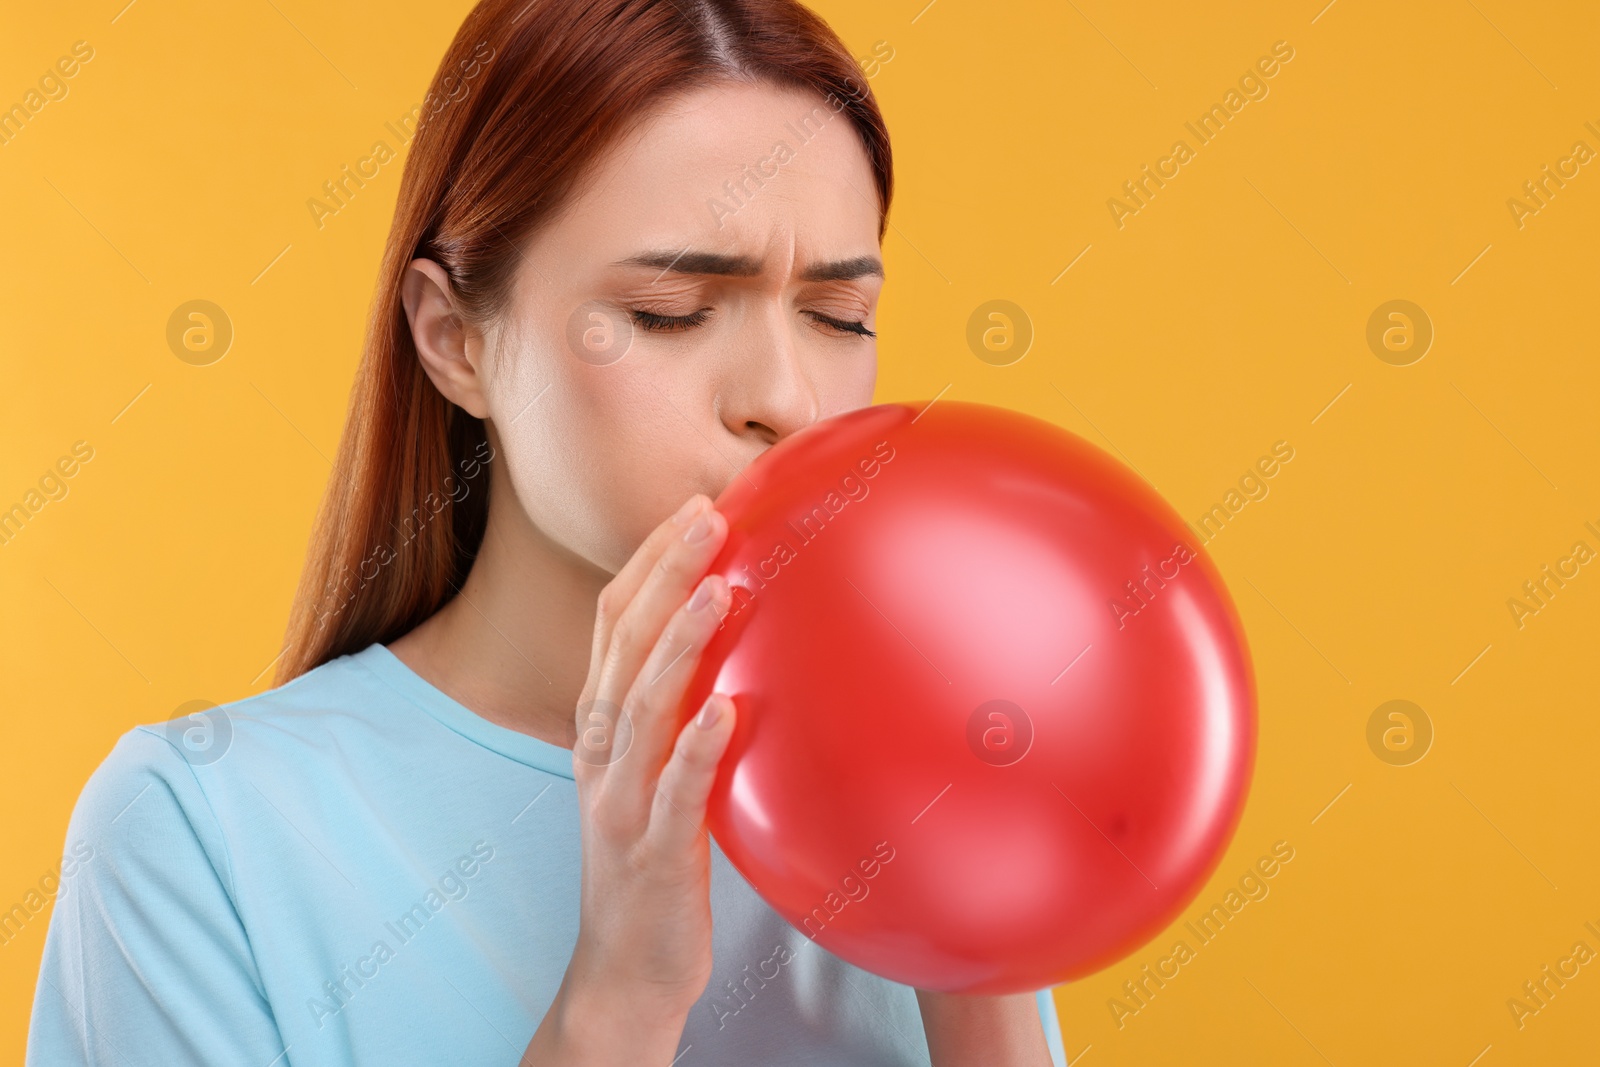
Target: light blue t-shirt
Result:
[[353, 868]]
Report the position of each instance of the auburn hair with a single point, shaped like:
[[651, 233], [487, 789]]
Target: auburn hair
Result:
[[528, 95]]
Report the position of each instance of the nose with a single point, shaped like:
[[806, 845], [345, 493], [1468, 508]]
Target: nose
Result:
[[768, 392]]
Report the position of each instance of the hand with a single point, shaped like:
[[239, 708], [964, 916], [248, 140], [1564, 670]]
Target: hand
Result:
[[643, 954]]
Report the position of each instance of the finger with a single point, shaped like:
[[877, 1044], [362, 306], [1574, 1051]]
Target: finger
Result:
[[624, 586], [614, 598], [678, 812], [665, 588], [653, 699]]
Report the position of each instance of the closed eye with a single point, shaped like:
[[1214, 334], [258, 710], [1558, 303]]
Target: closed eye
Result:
[[649, 320], [858, 328]]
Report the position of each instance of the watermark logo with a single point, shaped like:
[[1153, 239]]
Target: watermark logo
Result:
[[999, 332], [605, 731], [1399, 333], [599, 334], [199, 332], [999, 732], [200, 731], [1399, 732]]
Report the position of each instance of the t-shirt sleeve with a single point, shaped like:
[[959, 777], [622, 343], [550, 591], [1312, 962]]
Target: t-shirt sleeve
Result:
[[146, 960], [1052, 1027]]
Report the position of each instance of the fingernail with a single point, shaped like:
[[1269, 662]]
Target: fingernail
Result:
[[710, 712], [699, 531], [702, 595], [690, 506]]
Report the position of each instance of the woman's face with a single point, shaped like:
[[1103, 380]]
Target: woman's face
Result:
[[700, 299]]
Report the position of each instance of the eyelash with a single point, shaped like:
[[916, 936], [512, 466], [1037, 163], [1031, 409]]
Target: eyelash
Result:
[[648, 320]]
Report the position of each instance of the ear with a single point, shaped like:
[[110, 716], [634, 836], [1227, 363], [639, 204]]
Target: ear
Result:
[[448, 349]]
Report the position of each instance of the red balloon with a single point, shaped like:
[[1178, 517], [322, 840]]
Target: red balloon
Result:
[[996, 716]]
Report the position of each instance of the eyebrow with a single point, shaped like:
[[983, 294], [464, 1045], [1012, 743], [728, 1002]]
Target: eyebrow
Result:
[[717, 263]]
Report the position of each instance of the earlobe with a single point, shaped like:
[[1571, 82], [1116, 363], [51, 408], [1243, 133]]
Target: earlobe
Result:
[[440, 337]]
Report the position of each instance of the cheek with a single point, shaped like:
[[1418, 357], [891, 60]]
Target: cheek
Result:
[[863, 378], [846, 384], [595, 462]]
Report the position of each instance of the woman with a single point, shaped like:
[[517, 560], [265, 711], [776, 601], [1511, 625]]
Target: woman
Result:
[[636, 244]]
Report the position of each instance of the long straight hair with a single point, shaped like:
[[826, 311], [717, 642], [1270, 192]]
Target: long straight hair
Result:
[[528, 95]]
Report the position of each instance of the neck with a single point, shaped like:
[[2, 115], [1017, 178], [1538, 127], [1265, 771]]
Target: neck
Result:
[[513, 645]]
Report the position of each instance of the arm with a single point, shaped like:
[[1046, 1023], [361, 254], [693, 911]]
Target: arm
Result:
[[593, 1025], [973, 1031]]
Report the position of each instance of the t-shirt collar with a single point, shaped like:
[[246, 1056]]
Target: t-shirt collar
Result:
[[513, 744]]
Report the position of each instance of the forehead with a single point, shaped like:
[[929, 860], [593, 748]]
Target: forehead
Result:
[[731, 167]]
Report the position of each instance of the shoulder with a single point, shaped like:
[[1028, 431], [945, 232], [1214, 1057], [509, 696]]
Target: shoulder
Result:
[[320, 711], [147, 945], [168, 777]]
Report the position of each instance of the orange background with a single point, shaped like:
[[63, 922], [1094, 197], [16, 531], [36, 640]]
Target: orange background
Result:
[[1228, 313]]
